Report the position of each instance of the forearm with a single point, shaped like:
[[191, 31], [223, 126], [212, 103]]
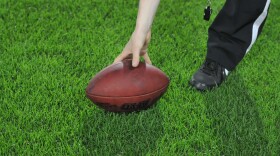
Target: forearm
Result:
[[146, 13]]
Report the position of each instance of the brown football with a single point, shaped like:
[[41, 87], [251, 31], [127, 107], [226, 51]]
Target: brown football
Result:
[[123, 88]]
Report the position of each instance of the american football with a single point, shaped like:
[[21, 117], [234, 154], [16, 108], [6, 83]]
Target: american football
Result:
[[123, 88]]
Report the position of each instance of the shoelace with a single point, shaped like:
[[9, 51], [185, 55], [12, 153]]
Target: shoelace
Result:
[[210, 67]]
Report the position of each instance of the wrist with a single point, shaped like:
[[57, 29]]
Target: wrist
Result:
[[141, 32]]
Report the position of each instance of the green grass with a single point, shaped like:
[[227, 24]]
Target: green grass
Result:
[[49, 50]]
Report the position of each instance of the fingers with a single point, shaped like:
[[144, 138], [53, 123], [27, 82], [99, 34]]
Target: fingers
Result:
[[126, 54], [135, 59], [147, 58]]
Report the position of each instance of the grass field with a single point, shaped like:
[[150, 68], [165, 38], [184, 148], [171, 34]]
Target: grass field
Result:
[[49, 50]]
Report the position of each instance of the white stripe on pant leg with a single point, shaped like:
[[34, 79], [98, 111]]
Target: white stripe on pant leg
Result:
[[226, 72], [257, 25]]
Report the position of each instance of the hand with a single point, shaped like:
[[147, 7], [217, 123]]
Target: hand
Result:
[[136, 47]]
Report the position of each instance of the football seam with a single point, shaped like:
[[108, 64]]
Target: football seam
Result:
[[128, 96]]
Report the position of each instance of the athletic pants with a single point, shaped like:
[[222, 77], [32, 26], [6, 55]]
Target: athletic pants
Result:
[[234, 30]]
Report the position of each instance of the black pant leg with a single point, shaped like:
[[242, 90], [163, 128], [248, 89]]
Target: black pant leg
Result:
[[235, 29]]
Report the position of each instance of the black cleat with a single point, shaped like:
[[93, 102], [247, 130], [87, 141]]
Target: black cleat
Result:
[[210, 75]]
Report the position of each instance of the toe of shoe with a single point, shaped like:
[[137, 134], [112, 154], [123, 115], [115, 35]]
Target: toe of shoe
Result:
[[202, 81], [198, 85]]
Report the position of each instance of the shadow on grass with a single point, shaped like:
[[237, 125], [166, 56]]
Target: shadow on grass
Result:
[[236, 121], [107, 133]]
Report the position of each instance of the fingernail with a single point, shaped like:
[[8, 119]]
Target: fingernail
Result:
[[134, 64]]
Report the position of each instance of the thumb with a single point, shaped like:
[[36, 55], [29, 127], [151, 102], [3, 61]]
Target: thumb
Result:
[[121, 57]]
